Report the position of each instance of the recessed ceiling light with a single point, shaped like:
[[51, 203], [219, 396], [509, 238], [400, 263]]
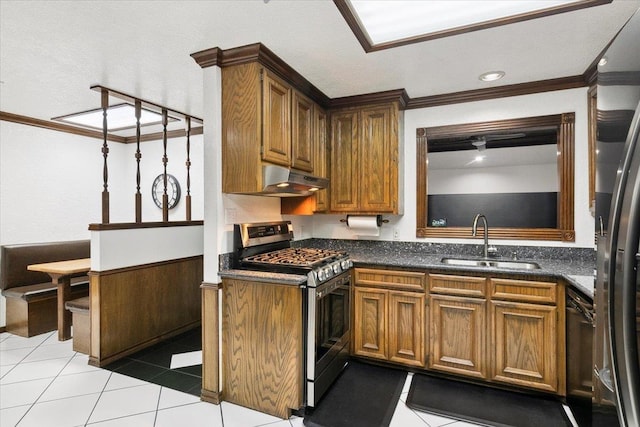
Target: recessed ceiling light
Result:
[[491, 76], [603, 61], [479, 158], [120, 116]]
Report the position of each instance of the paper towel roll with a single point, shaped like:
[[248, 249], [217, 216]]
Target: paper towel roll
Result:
[[363, 225]]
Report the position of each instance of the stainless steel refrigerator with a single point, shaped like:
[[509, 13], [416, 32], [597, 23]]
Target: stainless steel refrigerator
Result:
[[617, 294]]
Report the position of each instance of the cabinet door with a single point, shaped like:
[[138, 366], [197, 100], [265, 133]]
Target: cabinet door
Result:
[[458, 335], [525, 345], [320, 157], [276, 121], [344, 161], [302, 151], [370, 313], [378, 159], [579, 341], [406, 328]]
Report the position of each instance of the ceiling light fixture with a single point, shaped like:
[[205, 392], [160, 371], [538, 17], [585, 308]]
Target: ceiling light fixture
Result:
[[491, 76], [389, 23], [119, 117], [603, 61]]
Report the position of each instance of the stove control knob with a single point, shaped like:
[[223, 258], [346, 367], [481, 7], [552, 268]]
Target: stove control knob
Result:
[[322, 275], [329, 272], [336, 268], [345, 264]]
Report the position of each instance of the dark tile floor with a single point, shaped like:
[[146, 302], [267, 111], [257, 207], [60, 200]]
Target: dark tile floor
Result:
[[153, 364]]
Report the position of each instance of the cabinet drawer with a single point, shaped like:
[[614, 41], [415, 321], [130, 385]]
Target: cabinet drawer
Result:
[[390, 279], [458, 285], [523, 291]]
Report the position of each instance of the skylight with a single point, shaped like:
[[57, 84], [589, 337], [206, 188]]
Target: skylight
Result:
[[120, 116], [389, 23]]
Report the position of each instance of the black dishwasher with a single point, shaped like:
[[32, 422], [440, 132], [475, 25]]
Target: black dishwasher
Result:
[[580, 332]]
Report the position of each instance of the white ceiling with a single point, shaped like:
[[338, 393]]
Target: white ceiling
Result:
[[51, 52]]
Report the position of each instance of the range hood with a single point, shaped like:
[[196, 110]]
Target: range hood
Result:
[[284, 182]]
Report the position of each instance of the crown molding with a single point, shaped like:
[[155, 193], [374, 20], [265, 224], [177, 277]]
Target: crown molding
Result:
[[539, 86]]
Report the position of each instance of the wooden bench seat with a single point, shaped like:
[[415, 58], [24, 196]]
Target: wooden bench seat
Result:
[[79, 309], [30, 296]]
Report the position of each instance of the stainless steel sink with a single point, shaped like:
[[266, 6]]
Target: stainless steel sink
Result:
[[517, 265]]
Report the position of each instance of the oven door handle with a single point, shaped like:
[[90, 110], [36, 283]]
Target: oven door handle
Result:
[[337, 282]]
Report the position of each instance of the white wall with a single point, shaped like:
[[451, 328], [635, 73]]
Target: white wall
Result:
[[500, 170], [112, 249], [573, 100]]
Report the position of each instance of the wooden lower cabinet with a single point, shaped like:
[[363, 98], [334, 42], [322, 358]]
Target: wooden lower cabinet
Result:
[[498, 330], [389, 326], [524, 345], [458, 335], [370, 328], [501, 330], [406, 328], [262, 346]]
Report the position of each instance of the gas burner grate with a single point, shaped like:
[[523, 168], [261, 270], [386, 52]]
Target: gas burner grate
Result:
[[295, 257]]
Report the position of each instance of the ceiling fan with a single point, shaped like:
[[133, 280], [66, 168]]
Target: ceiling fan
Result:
[[480, 142]]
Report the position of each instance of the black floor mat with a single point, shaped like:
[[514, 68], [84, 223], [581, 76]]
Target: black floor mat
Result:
[[484, 405], [363, 396], [153, 364]]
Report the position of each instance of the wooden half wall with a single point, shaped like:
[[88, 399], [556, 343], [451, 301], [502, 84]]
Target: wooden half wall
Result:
[[135, 307]]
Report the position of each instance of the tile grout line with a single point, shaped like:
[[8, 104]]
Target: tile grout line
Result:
[[49, 385], [155, 418], [15, 365], [98, 399]]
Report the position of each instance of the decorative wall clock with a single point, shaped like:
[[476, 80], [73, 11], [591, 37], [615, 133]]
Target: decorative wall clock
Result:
[[173, 190]]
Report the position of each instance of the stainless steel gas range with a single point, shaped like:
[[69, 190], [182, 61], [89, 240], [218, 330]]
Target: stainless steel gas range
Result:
[[267, 247]]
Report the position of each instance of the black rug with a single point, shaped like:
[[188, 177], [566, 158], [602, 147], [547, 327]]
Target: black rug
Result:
[[363, 396], [484, 405]]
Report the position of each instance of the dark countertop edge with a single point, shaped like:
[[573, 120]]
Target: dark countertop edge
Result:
[[574, 278], [577, 278], [265, 277]]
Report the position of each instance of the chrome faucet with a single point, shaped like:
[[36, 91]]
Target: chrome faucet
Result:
[[474, 231]]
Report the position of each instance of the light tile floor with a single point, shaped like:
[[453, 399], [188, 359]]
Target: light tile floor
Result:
[[44, 383]]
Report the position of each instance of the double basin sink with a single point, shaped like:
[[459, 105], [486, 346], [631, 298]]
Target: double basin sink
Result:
[[508, 264]]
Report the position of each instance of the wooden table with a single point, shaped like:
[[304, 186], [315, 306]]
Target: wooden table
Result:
[[61, 272]]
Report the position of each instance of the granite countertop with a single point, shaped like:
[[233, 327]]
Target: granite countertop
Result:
[[578, 273], [575, 265]]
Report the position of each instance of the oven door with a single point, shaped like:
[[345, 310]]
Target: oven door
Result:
[[328, 334]]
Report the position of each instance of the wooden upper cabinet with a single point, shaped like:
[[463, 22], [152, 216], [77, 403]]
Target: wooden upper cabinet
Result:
[[320, 158], [302, 130], [276, 120], [364, 159], [344, 161], [265, 120], [378, 157]]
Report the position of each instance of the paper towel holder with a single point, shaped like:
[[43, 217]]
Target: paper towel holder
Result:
[[379, 220]]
